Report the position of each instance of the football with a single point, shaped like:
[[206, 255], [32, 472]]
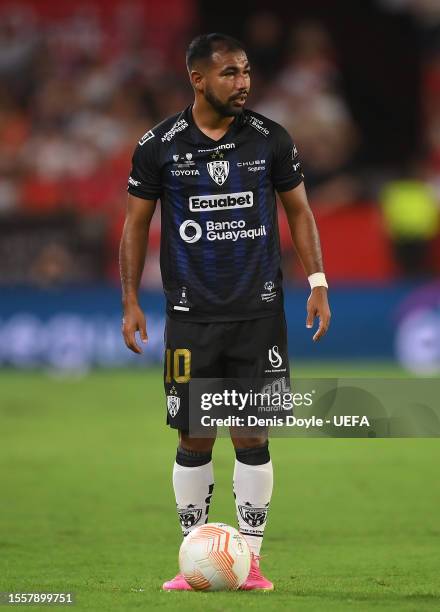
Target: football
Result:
[[215, 557]]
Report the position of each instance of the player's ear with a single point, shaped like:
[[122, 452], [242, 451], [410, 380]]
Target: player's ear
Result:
[[196, 78]]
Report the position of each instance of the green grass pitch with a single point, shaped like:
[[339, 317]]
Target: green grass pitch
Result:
[[86, 505]]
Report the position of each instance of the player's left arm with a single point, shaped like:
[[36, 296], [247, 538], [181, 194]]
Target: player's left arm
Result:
[[306, 241]]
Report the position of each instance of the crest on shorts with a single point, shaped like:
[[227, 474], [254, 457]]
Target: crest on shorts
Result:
[[173, 402], [189, 516], [218, 171], [254, 517]]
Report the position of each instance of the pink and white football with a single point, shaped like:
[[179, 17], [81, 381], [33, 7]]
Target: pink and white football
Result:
[[215, 557]]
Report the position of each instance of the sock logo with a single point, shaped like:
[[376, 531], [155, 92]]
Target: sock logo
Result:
[[189, 516], [254, 517]]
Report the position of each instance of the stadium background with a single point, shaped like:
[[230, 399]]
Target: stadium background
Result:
[[80, 82], [358, 86]]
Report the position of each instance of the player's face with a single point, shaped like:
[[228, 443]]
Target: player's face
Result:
[[227, 82]]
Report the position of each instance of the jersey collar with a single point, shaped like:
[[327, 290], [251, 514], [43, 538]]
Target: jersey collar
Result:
[[238, 122]]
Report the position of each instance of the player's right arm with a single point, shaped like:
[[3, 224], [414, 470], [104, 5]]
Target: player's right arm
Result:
[[132, 254], [144, 189]]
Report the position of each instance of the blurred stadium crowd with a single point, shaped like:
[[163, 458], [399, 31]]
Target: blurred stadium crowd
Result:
[[81, 82]]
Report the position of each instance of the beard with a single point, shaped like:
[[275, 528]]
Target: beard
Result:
[[225, 109]]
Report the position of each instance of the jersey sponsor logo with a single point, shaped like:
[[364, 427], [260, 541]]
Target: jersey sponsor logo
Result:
[[190, 231], [255, 165], [258, 125], [191, 172], [232, 230], [227, 145], [242, 199], [148, 136], [255, 162], [179, 126], [218, 171], [133, 182]]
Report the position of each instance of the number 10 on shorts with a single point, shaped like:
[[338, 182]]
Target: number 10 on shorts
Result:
[[179, 359]]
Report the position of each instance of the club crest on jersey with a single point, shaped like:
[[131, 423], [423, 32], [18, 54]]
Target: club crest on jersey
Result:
[[173, 403], [218, 171], [254, 517]]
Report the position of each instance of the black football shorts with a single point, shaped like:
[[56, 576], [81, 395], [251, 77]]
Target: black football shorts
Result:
[[250, 349]]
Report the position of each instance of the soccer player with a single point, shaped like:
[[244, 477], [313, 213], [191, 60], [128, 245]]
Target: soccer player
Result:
[[215, 167]]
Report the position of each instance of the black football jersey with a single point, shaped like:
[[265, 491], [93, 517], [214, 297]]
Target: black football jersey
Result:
[[220, 249]]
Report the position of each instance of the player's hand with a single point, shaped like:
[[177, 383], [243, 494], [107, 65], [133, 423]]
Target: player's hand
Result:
[[132, 322], [317, 306]]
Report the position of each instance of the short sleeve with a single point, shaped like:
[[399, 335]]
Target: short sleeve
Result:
[[144, 180], [286, 166]]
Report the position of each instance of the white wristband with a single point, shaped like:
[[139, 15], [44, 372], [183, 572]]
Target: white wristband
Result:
[[317, 280]]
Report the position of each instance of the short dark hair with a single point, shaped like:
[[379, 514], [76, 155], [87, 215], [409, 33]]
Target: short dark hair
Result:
[[203, 46]]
